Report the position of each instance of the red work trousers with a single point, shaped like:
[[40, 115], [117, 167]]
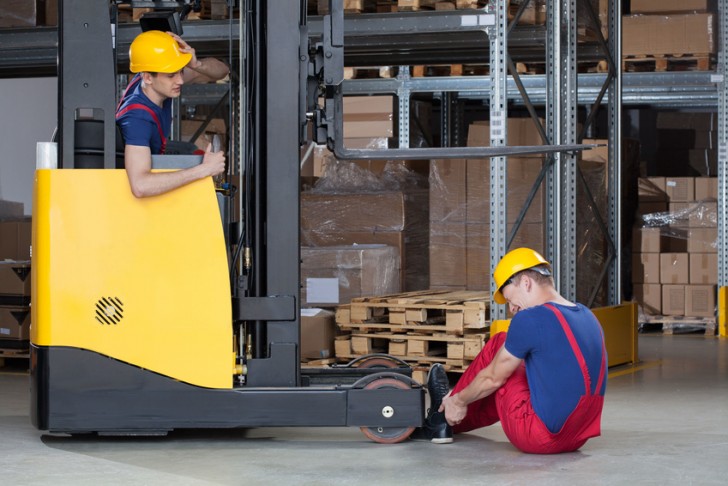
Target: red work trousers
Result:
[[511, 405]]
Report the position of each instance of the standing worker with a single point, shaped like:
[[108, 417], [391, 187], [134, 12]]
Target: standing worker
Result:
[[544, 379], [162, 63]]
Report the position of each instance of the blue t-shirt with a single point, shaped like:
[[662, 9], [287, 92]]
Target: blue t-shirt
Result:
[[554, 375], [138, 125]]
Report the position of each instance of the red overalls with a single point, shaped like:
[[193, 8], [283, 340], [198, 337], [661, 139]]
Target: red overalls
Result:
[[511, 404]]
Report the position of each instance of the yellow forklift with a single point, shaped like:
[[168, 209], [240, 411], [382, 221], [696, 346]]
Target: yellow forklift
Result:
[[161, 313]]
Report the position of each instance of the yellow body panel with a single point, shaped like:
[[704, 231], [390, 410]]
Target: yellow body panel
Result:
[[163, 259], [722, 307], [620, 331]]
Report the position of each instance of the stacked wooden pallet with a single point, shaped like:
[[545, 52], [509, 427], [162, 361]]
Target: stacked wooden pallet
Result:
[[421, 328], [321, 7], [677, 325]]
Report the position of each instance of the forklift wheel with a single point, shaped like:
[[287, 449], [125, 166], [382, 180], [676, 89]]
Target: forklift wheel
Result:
[[387, 435], [377, 361]]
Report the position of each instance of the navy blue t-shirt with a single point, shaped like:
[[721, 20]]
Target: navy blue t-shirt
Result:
[[138, 125], [554, 377]]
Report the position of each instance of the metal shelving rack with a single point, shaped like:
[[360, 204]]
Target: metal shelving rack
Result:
[[32, 52]]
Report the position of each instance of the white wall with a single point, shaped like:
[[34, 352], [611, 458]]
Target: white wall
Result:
[[28, 114]]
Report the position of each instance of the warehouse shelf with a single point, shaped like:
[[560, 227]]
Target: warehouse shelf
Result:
[[671, 89], [435, 37]]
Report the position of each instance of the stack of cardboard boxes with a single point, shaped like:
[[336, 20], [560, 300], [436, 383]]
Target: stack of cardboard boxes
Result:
[[674, 257], [460, 208], [364, 224], [14, 282], [460, 211], [669, 27]]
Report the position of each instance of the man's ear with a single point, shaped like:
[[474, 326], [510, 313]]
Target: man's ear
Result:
[[147, 77], [528, 282]]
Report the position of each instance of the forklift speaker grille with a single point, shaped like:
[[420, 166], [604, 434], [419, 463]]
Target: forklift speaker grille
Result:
[[109, 310]]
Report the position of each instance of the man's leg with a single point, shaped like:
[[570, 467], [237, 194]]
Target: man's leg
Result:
[[481, 413]]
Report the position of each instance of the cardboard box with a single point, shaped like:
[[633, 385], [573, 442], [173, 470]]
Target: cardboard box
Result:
[[393, 218], [216, 126], [15, 323], [703, 214], [448, 255], [693, 121], [646, 268], [651, 189], [706, 188], [680, 189], [704, 161], [11, 209], [650, 297], [700, 300], [702, 240], [673, 300], [448, 190], [336, 274], [533, 14], [646, 240], [15, 239], [650, 208], [21, 13], [671, 6], [368, 116], [668, 34], [674, 268], [14, 278], [413, 252], [679, 213], [703, 268], [477, 251], [318, 331], [674, 239]]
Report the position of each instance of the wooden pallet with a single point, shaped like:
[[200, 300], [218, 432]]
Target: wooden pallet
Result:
[[421, 350], [13, 355], [677, 325], [423, 71], [423, 311], [383, 6], [662, 63]]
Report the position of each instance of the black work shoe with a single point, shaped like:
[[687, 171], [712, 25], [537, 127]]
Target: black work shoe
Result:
[[435, 429], [437, 385]]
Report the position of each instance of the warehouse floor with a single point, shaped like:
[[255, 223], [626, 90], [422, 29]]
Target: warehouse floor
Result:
[[665, 422]]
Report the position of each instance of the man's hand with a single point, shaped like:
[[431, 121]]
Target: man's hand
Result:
[[455, 410], [214, 162], [187, 49]]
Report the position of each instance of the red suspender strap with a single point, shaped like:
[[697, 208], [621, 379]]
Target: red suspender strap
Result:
[[139, 106], [134, 81], [577, 351]]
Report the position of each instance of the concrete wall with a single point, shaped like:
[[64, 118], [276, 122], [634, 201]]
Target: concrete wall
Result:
[[28, 109]]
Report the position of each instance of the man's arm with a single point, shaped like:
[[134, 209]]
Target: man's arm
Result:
[[145, 183], [200, 70], [205, 70], [487, 381]]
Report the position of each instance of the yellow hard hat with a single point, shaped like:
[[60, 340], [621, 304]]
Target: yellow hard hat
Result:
[[155, 51], [513, 262]]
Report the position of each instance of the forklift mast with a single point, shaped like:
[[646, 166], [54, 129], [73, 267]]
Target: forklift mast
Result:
[[268, 301]]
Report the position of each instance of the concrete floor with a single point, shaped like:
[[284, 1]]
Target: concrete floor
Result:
[[665, 422]]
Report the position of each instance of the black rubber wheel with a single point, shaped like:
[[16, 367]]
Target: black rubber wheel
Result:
[[387, 435]]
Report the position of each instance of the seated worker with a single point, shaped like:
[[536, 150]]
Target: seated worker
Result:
[[162, 63], [544, 379]]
